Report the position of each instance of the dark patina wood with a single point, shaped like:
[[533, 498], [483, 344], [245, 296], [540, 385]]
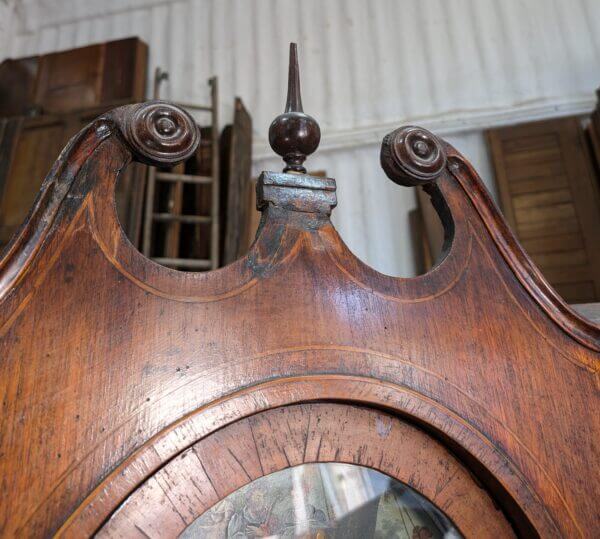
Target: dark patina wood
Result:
[[237, 174], [112, 367], [268, 442], [294, 135]]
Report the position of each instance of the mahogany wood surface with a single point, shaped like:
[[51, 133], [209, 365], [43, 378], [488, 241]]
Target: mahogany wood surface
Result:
[[282, 437], [112, 366]]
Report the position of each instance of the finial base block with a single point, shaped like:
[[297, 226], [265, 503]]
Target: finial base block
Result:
[[296, 192]]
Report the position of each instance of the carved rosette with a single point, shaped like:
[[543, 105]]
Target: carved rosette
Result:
[[412, 156], [160, 133]]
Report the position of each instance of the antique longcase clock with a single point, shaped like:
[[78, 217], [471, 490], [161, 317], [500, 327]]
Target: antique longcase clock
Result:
[[296, 392]]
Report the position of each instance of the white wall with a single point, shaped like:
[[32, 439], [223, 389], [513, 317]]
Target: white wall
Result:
[[7, 18], [454, 66]]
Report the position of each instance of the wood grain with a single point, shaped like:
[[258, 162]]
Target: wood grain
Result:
[[51, 98], [112, 366], [237, 172], [550, 196], [91, 76], [282, 437]]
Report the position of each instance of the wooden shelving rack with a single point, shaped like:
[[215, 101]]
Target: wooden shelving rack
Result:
[[174, 216]]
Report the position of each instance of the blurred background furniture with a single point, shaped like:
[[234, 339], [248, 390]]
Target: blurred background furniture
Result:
[[549, 195], [44, 101], [189, 217], [181, 212], [549, 192]]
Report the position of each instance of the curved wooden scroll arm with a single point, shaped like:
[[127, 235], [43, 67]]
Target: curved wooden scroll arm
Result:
[[422, 357], [155, 132], [161, 134], [413, 156]]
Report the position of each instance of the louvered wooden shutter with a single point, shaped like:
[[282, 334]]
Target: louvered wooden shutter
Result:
[[550, 198]]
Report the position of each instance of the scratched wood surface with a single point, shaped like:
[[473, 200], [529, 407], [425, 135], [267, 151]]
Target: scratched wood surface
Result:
[[112, 366], [279, 438]]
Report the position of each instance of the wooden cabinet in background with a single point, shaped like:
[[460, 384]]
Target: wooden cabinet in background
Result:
[[236, 171], [31, 145], [17, 86], [549, 196], [44, 101], [105, 74], [592, 133]]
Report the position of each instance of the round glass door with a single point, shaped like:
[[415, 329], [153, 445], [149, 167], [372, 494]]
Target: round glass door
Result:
[[325, 500]]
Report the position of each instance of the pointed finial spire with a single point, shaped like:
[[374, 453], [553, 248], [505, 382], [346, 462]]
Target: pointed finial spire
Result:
[[294, 99], [293, 134]]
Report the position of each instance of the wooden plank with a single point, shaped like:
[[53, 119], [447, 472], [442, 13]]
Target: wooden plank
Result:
[[215, 166], [432, 228], [550, 197], [129, 199], [184, 178], [533, 156], [75, 86], [178, 219], [149, 206], [37, 146], [534, 185], [546, 214], [92, 76], [17, 83], [553, 243], [10, 129], [542, 229], [586, 196], [494, 138], [593, 134], [174, 209], [545, 198], [518, 172], [38, 142], [572, 274], [69, 80], [526, 142], [124, 70], [563, 259], [252, 214], [238, 176], [576, 292]]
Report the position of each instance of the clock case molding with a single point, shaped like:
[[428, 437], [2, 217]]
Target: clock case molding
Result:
[[112, 366]]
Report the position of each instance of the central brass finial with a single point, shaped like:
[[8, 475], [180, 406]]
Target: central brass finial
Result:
[[293, 134]]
